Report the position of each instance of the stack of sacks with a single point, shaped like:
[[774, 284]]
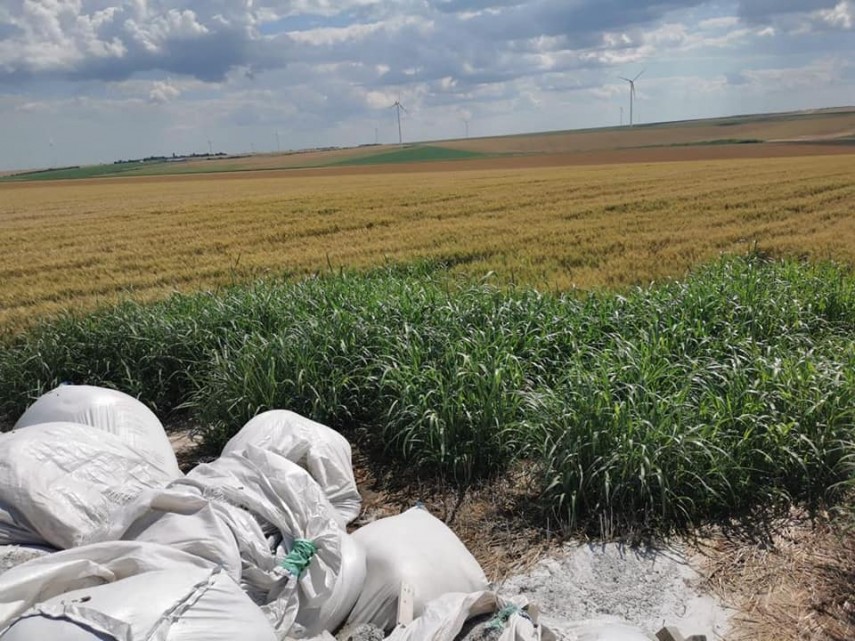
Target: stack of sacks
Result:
[[252, 545], [109, 411], [126, 591]]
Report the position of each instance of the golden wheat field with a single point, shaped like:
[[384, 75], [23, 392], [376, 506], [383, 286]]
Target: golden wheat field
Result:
[[78, 244]]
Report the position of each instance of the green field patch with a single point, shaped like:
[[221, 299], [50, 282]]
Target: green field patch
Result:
[[421, 153], [72, 173]]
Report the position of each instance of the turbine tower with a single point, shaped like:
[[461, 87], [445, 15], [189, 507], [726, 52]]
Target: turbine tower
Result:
[[632, 92], [399, 107]]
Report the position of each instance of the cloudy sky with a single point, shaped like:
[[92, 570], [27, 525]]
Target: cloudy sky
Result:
[[95, 80]]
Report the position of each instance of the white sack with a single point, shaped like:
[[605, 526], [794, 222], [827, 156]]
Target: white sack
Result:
[[444, 618], [348, 586], [414, 548], [319, 449], [63, 484], [110, 411], [180, 601], [278, 500]]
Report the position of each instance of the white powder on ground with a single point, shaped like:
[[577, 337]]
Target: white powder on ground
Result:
[[642, 587]]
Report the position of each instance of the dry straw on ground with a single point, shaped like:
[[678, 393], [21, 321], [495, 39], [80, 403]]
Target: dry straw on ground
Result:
[[792, 583]]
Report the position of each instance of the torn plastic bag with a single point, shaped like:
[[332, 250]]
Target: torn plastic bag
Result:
[[322, 451], [444, 618], [417, 549], [129, 598], [63, 484], [108, 410], [291, 510]]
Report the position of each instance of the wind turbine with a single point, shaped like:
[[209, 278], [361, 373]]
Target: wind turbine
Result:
[[621, 116], [632, 92], [399, 107], [466, 122]]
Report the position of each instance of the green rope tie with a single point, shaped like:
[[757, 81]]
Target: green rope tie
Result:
[[499, 621], [299, 557]]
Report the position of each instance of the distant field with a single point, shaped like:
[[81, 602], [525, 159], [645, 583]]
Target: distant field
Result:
[[827, 127], [82, 243], [766, 128]]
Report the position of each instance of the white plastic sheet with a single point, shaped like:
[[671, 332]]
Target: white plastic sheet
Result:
[[444, 618], [127, 591], [63, 484], [322, 451], [414, 548], [110, 411]]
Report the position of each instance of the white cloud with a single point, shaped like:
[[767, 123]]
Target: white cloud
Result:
[[840, 17], [162, 92], [317, 69]]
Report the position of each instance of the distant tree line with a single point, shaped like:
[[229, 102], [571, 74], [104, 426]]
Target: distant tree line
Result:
[[173, 157]]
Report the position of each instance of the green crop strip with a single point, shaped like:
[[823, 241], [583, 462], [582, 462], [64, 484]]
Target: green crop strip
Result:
[[662, 407]]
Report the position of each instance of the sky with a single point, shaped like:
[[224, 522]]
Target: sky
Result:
[[87, 81]]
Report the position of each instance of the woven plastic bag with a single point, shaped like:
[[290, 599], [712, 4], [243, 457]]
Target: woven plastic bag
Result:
[[64, 484], [322, 451], [126, 591], [288, 539], [110, 411], [416, 549]]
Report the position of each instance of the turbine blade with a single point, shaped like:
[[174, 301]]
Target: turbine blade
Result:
[[639, 75], [627, 79]]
